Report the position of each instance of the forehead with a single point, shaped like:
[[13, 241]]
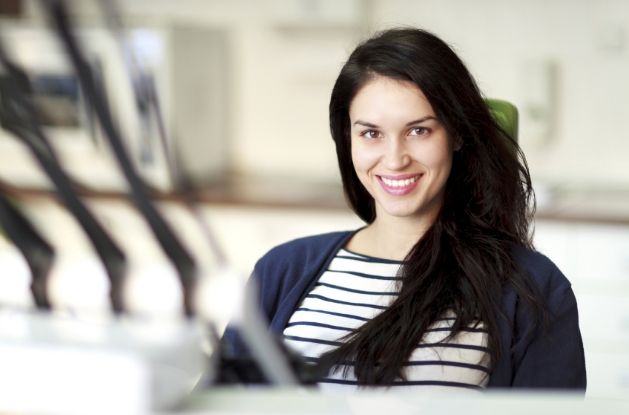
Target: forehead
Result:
[[385, 100]]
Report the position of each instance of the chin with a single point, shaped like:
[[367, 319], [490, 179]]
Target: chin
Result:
[[415, 210], [402, 212]]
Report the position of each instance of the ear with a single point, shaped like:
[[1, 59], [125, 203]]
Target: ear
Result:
[[457, 144]]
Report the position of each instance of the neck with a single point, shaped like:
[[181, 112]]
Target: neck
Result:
[[390, 237], [397, 236]]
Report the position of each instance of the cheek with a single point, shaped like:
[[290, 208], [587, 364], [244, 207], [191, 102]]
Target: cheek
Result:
[[363, 158], [357, 160], [362, 166], [439, 158]]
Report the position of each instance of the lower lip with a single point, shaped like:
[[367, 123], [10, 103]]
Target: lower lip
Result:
[[399, 191]]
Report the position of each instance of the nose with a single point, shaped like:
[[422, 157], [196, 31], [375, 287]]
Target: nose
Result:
[[396, 156]]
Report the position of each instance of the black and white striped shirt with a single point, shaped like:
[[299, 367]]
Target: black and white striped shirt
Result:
[[354, 289]]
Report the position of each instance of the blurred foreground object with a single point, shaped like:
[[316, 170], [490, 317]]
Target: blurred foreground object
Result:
[[292, 401], [68, 365], [19, 116], [36, 337], [37, 252], [10, 8]]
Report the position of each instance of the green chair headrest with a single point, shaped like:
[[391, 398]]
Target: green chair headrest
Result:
[[505, 114]]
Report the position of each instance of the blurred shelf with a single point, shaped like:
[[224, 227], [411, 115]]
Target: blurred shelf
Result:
[[604, 206], [255, 192], [594, 205]]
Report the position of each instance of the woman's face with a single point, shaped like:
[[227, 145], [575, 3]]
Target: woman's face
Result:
[[401, 152]]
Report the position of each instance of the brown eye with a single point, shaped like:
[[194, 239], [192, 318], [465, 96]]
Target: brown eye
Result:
[[371, 134], [419, 131]]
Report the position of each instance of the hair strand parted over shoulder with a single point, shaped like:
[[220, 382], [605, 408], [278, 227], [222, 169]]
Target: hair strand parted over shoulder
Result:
[[463, 261]]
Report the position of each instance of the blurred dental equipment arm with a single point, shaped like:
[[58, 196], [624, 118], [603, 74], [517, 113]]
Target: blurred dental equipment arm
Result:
[[19, 116], [150, 112], [273, 361], [184, 263], [38, 253], [143, 84]]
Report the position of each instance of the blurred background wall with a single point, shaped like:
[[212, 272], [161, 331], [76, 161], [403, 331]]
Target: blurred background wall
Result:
[[563, 63]]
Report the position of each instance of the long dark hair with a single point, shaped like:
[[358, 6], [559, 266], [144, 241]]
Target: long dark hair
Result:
[[463, 261]]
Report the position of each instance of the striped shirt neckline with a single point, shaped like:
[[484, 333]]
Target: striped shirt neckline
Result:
[[346, 253]]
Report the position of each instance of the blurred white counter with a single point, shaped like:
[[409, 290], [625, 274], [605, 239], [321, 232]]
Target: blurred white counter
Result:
[[260, 401]]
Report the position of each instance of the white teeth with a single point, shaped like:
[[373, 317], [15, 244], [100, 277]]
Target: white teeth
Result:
[[399, 183]]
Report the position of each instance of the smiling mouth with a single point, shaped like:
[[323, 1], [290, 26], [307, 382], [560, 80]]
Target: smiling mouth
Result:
[[399, 183], [400, 186]]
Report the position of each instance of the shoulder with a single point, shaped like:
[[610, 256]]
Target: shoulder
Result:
[[543, 272], [302, 251], [311, 242], [284, 273], [544, 351], [548, 283]]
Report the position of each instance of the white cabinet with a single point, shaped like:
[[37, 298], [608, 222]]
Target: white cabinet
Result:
[[595, 258]]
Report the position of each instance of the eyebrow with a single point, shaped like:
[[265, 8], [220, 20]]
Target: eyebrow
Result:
[[417, 121]]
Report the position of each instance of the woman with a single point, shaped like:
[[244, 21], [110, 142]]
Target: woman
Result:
[[442, 287]]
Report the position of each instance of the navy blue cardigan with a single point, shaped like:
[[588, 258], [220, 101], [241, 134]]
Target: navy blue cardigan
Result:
[[552, 359]]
